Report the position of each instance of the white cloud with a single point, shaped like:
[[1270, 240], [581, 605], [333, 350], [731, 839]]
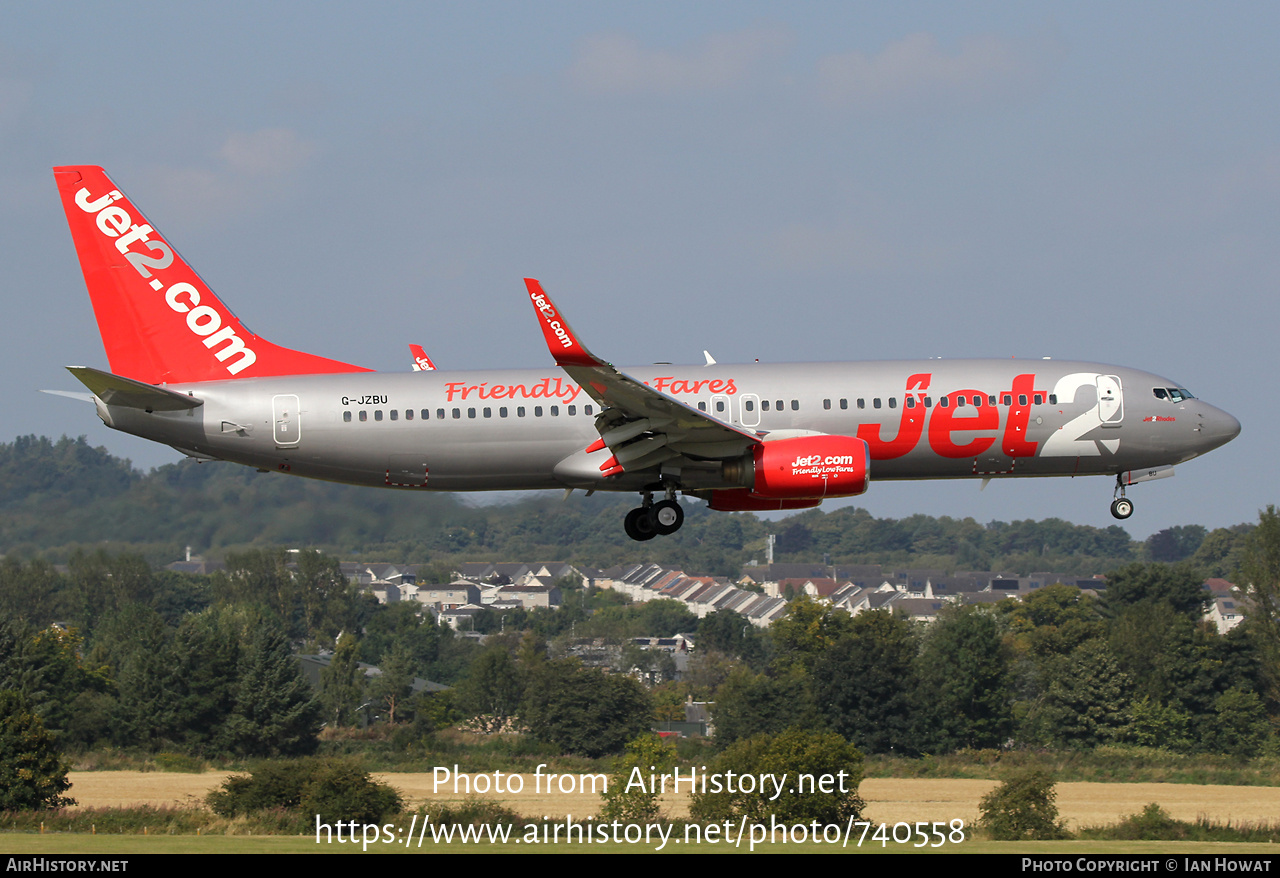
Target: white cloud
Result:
[[618, 64], [247, 170], [917, 70]]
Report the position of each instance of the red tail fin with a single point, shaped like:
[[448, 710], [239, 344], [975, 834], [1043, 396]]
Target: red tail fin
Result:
[[160, 322]]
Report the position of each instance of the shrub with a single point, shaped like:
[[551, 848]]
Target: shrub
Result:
[[787, 756], [1023, 807], [332, 789], [637, 803]]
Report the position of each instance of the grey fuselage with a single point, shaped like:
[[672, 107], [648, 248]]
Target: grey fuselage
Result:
[[521, 429]]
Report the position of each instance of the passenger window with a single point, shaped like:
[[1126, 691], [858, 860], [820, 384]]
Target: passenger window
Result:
[[1039, 399], [764, 405], [928, 402], [991, 400], [519, 411], [977, 400], [893, 402], [395, 414], [573, 410], [875, 403], [440, 414], [862, 403], [408, 414], [457, 413], [377, 414], [364, 416], [537, 411], [471, 413], [959, 402], [1007, 399], [1022, 399], [488, 412], [702, 406], [586, 409], [719, 405], [826, 404], [844, 403], [748, 405], [780, 405], [911, 402], [346, 417], [944, 401], [555, 411], [502, 412], [795, 405]]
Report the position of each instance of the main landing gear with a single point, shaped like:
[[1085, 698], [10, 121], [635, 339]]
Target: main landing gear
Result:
[[1121, 507], [654, 519]]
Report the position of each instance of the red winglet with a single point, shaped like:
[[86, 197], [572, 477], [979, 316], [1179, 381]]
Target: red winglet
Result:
[[561, 340]]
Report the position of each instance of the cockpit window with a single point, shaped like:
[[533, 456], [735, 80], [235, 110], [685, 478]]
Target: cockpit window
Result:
[[1172, 394]]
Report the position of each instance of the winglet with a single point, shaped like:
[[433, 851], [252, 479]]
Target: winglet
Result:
[[561, 340], [421, 362]]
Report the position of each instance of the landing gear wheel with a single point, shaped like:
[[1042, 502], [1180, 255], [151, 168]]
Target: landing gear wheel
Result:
[[667, 516], [640, 524], [1122, 508]]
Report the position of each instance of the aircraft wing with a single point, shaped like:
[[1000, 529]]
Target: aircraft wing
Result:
[[666, 426]]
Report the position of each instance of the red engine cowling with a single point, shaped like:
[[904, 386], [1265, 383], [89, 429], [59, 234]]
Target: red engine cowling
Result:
[[798, 473]]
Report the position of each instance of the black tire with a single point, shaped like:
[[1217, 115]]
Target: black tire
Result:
[[640, 525], [667, 516], [1122, 508]]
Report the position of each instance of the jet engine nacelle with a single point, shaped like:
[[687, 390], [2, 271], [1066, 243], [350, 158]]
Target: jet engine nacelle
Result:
[[798, 473]]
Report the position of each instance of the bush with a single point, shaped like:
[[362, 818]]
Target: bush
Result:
[[788, 756], [1023, 807], [628, 803], [331, 789]]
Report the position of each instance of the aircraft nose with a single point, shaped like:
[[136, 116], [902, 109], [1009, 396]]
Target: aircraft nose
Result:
[[1217, 427]]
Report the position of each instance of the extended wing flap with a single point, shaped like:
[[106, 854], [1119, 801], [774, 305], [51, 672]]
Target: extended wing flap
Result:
[[688, 429], [121, 391]]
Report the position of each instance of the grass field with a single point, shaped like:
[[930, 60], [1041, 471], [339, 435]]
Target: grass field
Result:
[[889, 800]]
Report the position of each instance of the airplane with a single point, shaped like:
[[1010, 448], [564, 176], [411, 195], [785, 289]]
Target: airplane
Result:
[[186, 372]]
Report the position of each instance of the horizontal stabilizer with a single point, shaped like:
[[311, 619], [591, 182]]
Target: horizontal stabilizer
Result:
[[71, 394], [117, 390]]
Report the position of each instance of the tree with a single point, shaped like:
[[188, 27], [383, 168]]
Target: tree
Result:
[[584, 711], [864, 684], [274, 712], [1179, 586], [342, 683], [820, 771], [1260, 575], [1024, 807], [492, 690], [1085, 703], [630, 796], [964, 674], [33, 776]]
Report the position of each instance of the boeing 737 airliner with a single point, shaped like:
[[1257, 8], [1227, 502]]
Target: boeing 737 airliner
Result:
[[186, 372]]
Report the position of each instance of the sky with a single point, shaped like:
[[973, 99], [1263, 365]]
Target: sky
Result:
[[808, 181]]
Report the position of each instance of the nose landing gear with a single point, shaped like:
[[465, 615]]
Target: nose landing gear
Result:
[[654, 519], [1121, 507]]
